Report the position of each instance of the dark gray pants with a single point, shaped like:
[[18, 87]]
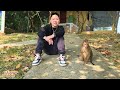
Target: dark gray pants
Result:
[[42, 44]]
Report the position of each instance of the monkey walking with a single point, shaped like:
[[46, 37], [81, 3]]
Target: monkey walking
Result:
[[86, 53]]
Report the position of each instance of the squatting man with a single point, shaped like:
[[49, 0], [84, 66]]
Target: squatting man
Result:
[[51, 40]]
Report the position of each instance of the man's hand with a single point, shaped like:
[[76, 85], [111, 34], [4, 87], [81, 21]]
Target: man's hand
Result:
[[50, 36], [48, 39], [50, 42]]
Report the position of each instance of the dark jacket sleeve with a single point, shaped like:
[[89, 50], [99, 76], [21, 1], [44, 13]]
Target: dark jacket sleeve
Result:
[[41, 32], [60, 32]]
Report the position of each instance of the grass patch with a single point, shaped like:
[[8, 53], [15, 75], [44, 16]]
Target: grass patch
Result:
[[17, 37], [16, 61]]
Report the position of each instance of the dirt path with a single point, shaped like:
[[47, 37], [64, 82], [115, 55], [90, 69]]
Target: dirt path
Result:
[[50, 69]]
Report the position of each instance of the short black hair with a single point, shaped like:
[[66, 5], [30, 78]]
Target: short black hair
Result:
[[55, 13]]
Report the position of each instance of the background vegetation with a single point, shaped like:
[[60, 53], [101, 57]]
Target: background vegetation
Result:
[[25, 21]]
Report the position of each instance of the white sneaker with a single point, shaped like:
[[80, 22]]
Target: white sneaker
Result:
[[62, 61], [37, 60]]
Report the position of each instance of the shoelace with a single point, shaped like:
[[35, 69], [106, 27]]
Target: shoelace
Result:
[[61, 58]]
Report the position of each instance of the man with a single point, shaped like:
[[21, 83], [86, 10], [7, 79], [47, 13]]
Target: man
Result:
[[51, 40]]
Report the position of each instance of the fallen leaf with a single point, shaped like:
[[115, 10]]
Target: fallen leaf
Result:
[[103, 52], [45, 74], [25, 69], [117, 61], [74, 51], [18, 66], [71, 42], [9, 74], [106, 52], [67, 56]]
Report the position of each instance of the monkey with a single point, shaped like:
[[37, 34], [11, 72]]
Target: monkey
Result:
[[86, 53]]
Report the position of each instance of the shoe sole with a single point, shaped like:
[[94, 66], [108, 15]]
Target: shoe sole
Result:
[[62, 64], [33, 64]]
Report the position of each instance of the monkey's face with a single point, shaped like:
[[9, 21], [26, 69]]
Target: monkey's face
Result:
[[85, 44]]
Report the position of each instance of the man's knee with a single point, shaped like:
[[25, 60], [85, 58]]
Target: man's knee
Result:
[[40, 45]]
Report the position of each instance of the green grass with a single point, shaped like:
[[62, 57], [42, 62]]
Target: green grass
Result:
[[17, 37], [11, 57]]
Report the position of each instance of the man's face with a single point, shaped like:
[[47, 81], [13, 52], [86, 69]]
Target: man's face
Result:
[[54, 20]]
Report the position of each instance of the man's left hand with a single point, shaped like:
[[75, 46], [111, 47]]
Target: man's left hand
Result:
[[50, 42]]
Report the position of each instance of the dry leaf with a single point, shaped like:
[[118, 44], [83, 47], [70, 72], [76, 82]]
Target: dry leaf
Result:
[[67, 56], [18, 66], [25, 69], [106, 52], [71, 42], [9, 74], [118, 67], [103, 52], [117, 61]]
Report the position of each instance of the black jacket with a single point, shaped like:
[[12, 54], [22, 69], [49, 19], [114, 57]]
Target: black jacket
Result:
[[48, 30]]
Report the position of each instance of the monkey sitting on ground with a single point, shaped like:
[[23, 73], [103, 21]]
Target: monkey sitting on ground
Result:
[[86, 53]]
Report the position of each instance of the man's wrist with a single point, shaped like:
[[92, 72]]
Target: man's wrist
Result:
[[44, 37]]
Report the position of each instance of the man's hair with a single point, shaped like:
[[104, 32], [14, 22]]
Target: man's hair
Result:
[[54, 13]]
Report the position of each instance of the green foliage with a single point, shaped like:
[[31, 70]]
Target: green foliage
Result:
[[17, 37], [71, 19], [26, 21]]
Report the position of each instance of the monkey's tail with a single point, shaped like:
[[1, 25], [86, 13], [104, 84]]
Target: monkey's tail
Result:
[[92, 63]]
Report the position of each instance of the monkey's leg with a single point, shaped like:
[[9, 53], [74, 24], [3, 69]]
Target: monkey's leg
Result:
[[85, 58], [81, 57]]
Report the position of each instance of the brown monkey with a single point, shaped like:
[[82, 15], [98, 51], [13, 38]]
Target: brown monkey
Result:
[[86, 53]]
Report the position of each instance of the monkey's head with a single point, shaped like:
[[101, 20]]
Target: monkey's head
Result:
[[85, 43]]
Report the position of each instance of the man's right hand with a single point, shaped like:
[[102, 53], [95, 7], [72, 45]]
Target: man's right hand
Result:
[[48, 39]]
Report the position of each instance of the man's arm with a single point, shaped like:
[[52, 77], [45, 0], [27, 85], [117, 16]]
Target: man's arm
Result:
[[41, 33]]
